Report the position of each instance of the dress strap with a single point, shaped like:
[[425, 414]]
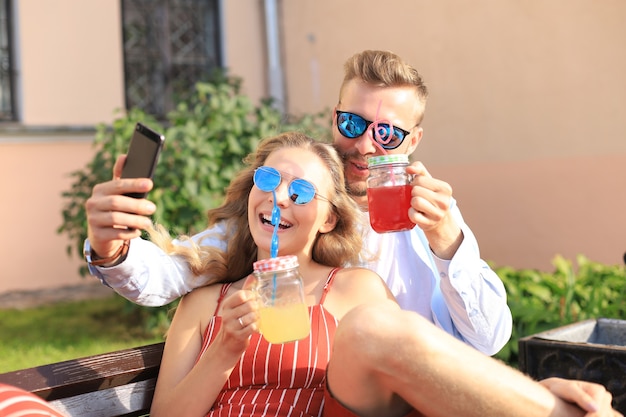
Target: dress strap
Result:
[[223, 293], [329, 281]]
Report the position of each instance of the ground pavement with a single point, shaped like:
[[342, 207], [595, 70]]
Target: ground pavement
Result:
[[34, 298]]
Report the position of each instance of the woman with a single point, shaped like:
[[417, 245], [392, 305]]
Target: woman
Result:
[[212, 363]]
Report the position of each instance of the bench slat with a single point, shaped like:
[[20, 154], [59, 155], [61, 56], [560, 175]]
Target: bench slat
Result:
[[126, 400], [120, 382]]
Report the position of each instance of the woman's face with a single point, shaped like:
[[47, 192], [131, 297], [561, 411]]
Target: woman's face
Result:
[[299, 224]]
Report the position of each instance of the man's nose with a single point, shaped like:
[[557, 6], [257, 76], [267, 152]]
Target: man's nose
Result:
[[365, 143]]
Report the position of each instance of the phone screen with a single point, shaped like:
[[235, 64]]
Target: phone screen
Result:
[[143, 154]]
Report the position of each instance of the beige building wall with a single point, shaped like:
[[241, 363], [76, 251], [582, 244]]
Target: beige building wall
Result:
[[526, 117], [70, 78], [244, 44], [71, 61], [34, 169]]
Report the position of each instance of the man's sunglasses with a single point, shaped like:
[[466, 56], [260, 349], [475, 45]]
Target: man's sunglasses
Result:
[[386, 135], [300, 191]]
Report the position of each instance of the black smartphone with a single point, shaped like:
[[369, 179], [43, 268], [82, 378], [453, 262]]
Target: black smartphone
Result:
[[143, 154]]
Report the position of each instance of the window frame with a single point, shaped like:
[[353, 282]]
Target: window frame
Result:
[[10, 114], [163, 63]]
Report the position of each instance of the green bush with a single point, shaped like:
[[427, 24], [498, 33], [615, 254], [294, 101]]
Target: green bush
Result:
[[542, 301], [206, 139]]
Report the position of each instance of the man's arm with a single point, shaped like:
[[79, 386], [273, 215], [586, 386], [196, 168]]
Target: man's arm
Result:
[[474, 300], [150, 277], [474, 295], [137, 269]]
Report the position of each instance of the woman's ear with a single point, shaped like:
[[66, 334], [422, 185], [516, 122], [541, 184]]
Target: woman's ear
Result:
[[329, 224]]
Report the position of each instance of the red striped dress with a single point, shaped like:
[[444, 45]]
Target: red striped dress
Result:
[[278, 379], [15, 402]]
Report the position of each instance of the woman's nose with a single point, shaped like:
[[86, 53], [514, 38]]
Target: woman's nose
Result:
[[282, 194]]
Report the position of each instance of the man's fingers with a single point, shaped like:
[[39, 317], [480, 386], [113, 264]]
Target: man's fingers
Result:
[[418, 169], [119, 165], [117, 221], [125, 205], [119, 187], [109, 238]]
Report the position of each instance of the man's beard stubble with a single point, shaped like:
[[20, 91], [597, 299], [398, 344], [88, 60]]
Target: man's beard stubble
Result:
[[355, 189]]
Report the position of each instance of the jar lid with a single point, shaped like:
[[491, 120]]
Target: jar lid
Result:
[[388, 159], [276, 264]]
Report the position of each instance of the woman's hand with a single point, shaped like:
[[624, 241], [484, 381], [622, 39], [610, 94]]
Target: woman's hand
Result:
[[113, 217], [240, 319]]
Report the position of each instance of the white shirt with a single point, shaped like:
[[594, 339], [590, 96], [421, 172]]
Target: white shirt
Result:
[[463, 296]]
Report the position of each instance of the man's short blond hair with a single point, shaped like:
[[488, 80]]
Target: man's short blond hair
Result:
[[384, 69]]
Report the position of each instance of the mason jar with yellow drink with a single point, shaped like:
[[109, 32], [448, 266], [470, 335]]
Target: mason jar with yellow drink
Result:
[[284, 316]]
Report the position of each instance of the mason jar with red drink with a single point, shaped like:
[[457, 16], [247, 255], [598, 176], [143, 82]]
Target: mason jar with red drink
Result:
[[389, 193]]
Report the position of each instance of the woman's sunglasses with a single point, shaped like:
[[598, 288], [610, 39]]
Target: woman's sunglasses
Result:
[[386, 135], [300, 191]]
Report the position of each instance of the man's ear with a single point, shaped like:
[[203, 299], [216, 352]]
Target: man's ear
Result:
[[329, 224], [415, 139]]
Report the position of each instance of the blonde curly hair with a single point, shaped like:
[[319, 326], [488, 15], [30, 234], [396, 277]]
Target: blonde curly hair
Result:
[[338, 247]]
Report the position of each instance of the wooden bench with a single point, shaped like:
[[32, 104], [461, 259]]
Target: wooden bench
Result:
[[112, 384]]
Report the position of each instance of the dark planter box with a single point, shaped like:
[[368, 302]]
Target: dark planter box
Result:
[[591, 350]]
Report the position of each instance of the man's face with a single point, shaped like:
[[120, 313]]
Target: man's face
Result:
[[396, 105]]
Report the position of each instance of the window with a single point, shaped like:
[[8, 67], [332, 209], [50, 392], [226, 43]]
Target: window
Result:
[[169, 45], [7, 103]]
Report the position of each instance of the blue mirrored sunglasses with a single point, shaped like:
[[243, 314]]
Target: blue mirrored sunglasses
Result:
[[352, 126], [300, 191]]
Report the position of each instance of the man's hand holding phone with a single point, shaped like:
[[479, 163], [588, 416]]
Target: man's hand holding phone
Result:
[[117, 210]]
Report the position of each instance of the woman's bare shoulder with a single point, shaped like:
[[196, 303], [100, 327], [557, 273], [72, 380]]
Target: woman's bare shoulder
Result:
[[206, 298], [352, 287], [360, 273], [202, 297], [205, 291]]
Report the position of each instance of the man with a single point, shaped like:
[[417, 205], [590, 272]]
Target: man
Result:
[[434, 269]]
